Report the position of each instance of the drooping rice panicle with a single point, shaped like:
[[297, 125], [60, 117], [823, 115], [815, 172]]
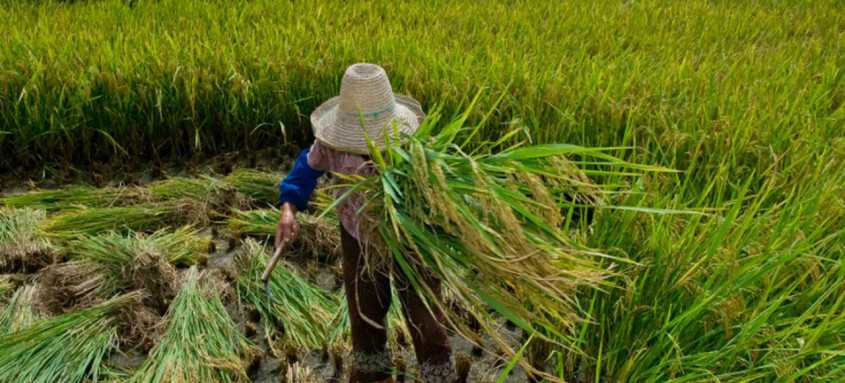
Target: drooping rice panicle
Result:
[[318, 237], [22, 246], [304, 310], [263, 187], [201, 344], [104, 265], [73, 198], [20, 312], [68, 348], [143, 217]]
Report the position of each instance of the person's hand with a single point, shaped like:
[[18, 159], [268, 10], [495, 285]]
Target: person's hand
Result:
[[287, 229]]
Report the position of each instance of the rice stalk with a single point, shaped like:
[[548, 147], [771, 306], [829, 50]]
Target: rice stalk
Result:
[[181, 247], [7, 286], [22, 246], [20, 312], [262, 187], [299, 373], [68, 348], [143, 217], [202, 343], [489, 225], [302, 316], [216, 195], [104, 265], [318, 237], [73, 198]]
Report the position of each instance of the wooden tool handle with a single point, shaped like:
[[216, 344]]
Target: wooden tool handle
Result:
[[273, 261]]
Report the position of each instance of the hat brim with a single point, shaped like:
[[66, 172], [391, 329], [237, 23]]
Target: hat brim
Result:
[[348, 134]]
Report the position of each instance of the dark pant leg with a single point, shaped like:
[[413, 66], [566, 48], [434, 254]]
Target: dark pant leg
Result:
[[368, 296], [425, 323]]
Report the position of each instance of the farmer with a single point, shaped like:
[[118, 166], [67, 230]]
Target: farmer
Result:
[[341, 148]]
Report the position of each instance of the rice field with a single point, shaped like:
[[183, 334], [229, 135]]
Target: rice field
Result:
[[728, 265]]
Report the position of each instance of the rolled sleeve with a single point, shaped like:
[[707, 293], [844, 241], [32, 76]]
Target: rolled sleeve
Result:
[[299, 184]]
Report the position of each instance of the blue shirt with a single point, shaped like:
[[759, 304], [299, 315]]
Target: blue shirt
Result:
[[299, 184]]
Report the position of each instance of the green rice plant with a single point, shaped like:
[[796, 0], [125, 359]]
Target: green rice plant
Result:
[[144, 217], [112, 263], [318, 236], [302, 316], [263, 187], [751, 292], [67, 348], [488, 223], [650, 74], [202, 343], [73, 198], [22, 246], [20, 313]]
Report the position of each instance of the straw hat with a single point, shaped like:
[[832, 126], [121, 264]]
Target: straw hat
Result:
[[364, 90]]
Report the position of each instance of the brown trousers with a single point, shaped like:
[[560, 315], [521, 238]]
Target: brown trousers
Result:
[[368, 296]]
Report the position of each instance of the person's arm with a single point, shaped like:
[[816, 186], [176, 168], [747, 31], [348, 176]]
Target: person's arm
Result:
[[300, 182], [295, 191]]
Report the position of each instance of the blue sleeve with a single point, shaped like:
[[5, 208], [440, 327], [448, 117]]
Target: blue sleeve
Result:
[[299, 184]]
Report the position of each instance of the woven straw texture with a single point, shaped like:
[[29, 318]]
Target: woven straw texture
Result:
[[364, 91]]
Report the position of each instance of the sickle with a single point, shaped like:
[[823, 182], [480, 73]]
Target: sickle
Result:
[[265, 276]]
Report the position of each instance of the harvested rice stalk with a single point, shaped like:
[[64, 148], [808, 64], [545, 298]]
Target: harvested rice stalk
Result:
[[68, 348], [21, 312], [73, 198], [262, 187], [22, 246], [7, 286], [180, 247], [108, 264], [297, 373], [304, 310], [318, 237], [143, 217], [217, 196], [201, 344], [488, 224]]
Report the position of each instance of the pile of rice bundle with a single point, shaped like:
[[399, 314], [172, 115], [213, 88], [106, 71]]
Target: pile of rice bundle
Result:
[[262, 187], [216, 196], [143, 217], [202, 343], [68, 348], [487, 223], [20, 313], [73, 198], [318, 237], [304, 311], [22, 246], [104, 265]]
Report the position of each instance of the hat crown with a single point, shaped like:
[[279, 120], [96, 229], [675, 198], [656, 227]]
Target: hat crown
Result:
[[365, 89]]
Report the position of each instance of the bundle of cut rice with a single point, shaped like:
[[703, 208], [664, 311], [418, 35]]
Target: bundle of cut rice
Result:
[[488, 222]]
